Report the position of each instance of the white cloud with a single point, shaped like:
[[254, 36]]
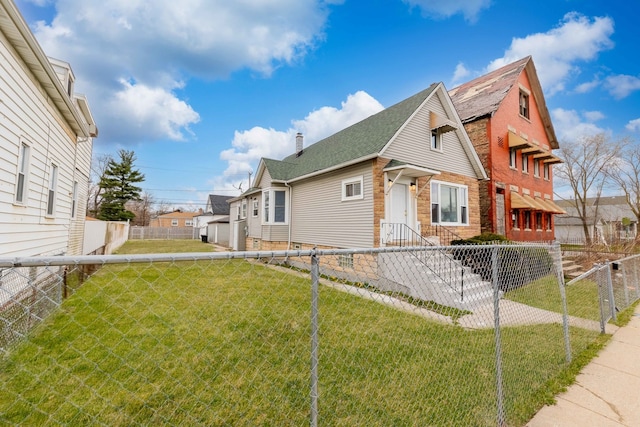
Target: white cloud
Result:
[[593, 116], [633, 125], [460, 74], [556, 52], [158, 43], [251, 145], [587, 86], [446, 8], [150, 112], [571, 126], [621, 85]]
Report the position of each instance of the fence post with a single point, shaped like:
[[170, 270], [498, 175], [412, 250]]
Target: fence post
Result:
[[315, 274], [498, 338], [600, 296], [635, 276], [563, 295], [612, 301], [624, 284]]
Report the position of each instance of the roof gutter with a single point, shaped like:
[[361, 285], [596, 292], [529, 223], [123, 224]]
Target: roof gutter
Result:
[[331, 169]]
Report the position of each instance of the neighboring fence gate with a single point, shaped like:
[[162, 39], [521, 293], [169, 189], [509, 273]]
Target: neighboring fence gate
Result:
[[331, 337]]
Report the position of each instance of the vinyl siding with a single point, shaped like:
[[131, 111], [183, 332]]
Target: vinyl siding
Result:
[[320, 217], [27, 116], [413, 143], [255, 223]]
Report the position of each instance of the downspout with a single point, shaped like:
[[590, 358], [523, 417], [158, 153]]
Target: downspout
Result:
[[290, 219]]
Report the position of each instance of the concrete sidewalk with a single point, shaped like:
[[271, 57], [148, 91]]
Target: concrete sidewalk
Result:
[[607, 391]]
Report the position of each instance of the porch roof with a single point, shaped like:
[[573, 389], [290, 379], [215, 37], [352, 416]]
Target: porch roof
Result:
[[409, 170]]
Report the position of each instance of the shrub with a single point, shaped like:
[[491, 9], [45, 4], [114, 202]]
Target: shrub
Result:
[[516, 265]]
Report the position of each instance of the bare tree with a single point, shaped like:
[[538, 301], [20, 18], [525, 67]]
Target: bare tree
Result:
[[94, 196], [626, 174], [588, 163], [163, 207], [142, 208]]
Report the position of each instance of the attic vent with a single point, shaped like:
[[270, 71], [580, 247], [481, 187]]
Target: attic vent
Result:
[[299, 143]]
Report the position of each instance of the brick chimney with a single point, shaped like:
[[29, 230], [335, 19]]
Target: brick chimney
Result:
[[299, 143]]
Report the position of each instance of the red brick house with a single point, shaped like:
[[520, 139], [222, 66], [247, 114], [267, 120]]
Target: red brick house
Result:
[[506, 118]]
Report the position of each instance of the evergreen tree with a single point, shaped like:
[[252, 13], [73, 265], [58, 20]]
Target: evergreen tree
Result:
[[118, 181]]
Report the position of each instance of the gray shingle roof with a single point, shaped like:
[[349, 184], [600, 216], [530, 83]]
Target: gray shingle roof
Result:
[[219, 205], [362, 139]]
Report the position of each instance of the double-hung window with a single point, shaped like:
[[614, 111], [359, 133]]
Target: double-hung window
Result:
[[449, 204], [275, 206], [243, 213], [524, 104], [436, 140], [352, 188], [53, 184], [255, 207], [545, 171], [525, 163], [23, 173], [512, 158], [536, 168]]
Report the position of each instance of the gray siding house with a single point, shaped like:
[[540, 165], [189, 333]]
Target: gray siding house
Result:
[[409, 169]]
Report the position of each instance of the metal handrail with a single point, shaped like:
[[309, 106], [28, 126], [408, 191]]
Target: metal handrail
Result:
[[404, 236]]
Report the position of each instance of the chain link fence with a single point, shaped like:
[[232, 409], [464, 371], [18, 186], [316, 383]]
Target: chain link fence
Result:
[[442, 336]]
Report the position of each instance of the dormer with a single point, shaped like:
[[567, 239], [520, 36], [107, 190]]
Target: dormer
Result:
[[65, 74]]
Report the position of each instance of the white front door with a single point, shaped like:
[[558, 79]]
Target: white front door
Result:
[[398, 200], [400, 211]]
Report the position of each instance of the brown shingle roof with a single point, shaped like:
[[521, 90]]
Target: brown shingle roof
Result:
[[481, 97]]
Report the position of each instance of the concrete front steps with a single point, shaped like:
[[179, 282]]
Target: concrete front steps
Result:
[[435, 277], [570, 268]]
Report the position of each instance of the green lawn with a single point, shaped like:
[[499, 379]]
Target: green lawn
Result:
[[227, 343], [582, 297]]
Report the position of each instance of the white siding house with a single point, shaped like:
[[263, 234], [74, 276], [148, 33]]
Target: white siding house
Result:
[[408, 169], [46, 133]]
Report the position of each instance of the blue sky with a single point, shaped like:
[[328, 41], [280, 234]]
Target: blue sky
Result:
[[201, 90]]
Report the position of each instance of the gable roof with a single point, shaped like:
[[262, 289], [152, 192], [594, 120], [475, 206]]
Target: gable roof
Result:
[[218, 205], [481, 97], [610, 208], [361, 141]]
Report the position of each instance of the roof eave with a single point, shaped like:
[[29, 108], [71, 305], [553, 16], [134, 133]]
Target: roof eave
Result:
[[51, 84]]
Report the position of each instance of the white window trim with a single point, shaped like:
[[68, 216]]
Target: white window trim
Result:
[[524, 159], [438, 140], [243, 209], [272, 199], [536, 168], [461, 203], [349, 181], [174, 222], [255, 208], [24, 159], [52, 191], [188, 223], [513, 158]]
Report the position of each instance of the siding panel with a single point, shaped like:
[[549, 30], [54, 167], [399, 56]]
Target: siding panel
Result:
[[320, 217], [28, 116], [413, 144]]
